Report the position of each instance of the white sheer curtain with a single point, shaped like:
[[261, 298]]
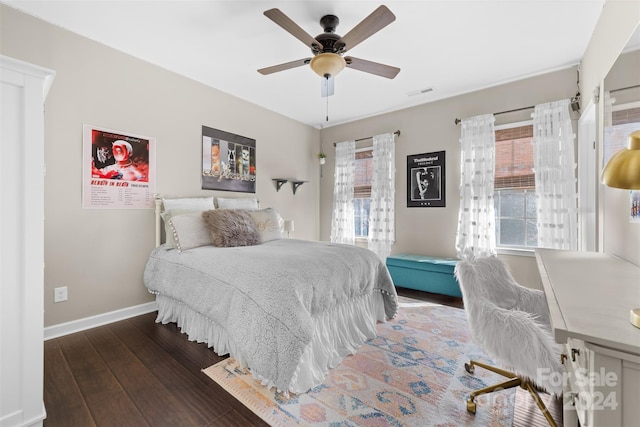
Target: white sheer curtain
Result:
[[476, 219], [555, 171], [342, 219], [383, 187]]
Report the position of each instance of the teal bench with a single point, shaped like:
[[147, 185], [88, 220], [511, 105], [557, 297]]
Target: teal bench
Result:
[[424, 273]]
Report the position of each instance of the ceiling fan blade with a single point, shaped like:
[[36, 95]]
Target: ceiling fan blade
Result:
[[294, 29], [379, 18], [285, 66], [376, 68]]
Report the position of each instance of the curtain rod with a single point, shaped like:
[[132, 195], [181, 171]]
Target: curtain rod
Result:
[[458, 121], [624, 88], [397, 133]]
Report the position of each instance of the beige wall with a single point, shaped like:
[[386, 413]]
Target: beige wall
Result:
[[100, 254], [617, 23], [621, 237], [431, 127]]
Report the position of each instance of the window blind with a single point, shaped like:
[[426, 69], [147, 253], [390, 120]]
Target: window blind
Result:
[[363, 174], [514, 158]]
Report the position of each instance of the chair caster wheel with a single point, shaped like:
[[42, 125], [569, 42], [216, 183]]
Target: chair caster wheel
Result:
[[468, 368], [471, 406]]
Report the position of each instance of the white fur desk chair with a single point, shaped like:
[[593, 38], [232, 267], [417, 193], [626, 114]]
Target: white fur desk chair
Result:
[[511, 323]]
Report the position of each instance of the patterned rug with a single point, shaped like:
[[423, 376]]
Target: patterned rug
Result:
[[412, 374]]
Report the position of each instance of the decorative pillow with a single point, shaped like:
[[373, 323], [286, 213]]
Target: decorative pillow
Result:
[[168, 231], [231, 227], [190, 203], [269, 223], [189, 231], [249, 203]]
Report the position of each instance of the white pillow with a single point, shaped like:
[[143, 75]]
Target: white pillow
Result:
[[269, 223], [190, 231], [168, 232], [237, 203], [191, 203]]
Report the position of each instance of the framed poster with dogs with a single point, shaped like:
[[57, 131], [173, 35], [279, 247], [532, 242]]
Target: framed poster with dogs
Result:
[[228, 161], [426, 180]]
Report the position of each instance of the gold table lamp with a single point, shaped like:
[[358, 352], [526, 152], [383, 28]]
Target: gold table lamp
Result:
[[623, 171]]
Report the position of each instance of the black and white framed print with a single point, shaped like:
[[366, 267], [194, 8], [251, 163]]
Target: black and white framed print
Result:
[[426, 180]]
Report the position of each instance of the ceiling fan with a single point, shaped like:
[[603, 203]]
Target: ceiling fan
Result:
[[328, 48]]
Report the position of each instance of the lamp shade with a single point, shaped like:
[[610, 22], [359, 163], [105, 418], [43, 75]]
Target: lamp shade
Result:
[[288, 225], [327, 63], [623, 169]]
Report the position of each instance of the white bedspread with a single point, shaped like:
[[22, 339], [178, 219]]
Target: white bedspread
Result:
[[272, 300]]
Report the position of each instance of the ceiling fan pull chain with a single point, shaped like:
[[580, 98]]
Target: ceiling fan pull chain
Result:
[[327, 118]]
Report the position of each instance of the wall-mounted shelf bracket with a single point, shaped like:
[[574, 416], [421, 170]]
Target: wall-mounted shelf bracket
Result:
[[296, 184], [279, 183]]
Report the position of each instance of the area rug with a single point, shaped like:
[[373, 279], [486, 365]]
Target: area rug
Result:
[[412, 374]]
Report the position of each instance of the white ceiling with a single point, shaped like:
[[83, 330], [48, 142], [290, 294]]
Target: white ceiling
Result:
[[451, 46]]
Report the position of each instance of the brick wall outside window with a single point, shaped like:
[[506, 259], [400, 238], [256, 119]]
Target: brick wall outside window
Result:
[[514, 158], [514, 185]]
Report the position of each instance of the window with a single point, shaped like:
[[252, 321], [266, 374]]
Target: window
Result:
[[362, 191], [514, 187], [626, 114], [625, 119]]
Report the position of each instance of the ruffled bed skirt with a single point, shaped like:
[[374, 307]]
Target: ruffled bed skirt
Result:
[[337, 334]]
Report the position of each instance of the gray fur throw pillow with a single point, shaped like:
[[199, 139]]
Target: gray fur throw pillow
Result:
[[231, 227]]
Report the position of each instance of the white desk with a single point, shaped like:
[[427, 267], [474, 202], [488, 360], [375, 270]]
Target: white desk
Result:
[[590, 295]]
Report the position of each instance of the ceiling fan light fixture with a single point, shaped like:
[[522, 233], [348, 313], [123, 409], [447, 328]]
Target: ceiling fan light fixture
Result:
[[327, 64]]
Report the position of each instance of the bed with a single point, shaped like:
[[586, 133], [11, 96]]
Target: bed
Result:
[[287, 309]]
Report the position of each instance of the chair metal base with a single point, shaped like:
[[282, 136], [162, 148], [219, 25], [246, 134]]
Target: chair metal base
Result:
[[513, 381]]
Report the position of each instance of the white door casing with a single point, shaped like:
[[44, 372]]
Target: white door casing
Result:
[[22, 93]]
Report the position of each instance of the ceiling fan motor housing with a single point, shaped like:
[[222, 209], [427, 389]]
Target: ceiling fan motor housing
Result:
[[329, 38], [329, 23]]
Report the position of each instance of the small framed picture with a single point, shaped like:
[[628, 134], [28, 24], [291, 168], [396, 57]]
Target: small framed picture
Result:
[[426, 180]]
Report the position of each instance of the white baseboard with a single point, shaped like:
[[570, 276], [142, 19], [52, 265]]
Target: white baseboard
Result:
[[12, 419], [67, 328], [17, 419]]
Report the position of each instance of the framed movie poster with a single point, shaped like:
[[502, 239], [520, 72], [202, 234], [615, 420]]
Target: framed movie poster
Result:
[[118, 169], [426, 180], [228, 161]]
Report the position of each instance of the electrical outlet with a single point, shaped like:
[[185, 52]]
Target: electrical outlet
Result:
[[60, 294]]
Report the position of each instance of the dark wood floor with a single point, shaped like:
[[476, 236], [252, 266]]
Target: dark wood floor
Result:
[[139, 373], [135, 373]]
